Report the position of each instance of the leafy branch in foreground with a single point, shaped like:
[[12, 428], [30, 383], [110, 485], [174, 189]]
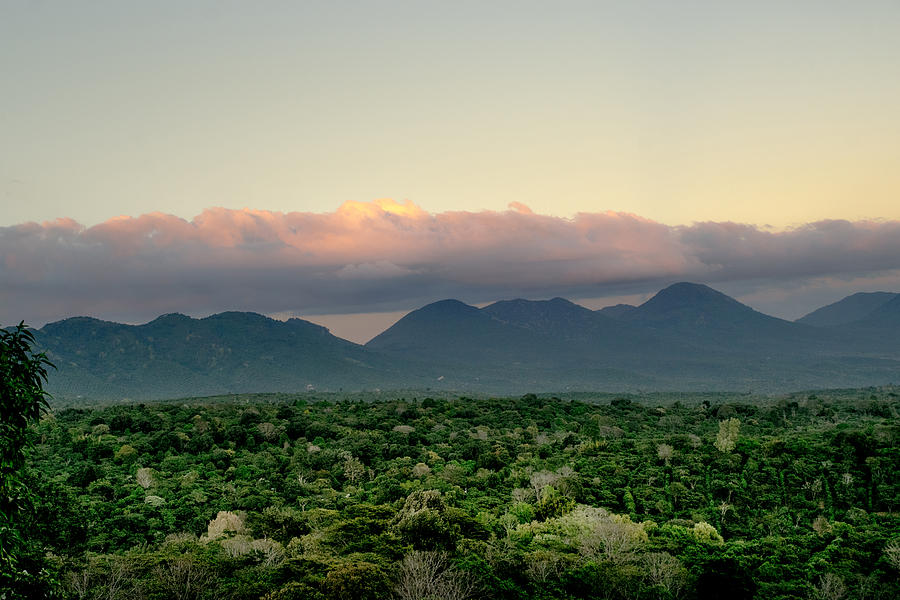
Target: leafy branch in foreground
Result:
[[23, 400]]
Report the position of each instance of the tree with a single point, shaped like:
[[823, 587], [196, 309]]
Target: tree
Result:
[[602, 535], [356, 580], [431, 576], [728, 435], [543, 566], [102, 579], [354, 470], [665, 452], [892, 553], [830, 587], [23, 400], [226, 523], [184, 578], [423, 521], [541, 480], [704, 532], [664, 571]]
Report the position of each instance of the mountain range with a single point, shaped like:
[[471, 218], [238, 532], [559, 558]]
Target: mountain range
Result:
[[686, 337]]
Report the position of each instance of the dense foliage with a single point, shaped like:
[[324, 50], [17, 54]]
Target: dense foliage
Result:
[[23, 373], [283, 497]]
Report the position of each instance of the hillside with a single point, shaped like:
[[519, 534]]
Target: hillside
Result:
[[224, 353], [686, 337], [885, 318], [852, 308], [617, 310]]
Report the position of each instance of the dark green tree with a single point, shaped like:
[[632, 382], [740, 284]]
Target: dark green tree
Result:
[[23, 400]]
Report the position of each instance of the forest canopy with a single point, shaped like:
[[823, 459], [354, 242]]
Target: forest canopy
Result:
[[303, 496]]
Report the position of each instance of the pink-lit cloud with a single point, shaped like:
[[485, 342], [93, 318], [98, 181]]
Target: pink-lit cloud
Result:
[[386, 255]]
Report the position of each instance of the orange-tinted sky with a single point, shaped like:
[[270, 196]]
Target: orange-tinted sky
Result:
[[388, 257]]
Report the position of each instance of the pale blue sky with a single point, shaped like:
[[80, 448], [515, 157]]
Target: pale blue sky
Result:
[[763, 112]]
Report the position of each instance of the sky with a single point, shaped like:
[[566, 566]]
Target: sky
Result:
[[350, 161]]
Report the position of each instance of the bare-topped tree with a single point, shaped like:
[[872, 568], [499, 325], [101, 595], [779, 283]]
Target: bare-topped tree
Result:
[[184, 578], [664, 570], [830, 587], [433, 576], [892, 553]]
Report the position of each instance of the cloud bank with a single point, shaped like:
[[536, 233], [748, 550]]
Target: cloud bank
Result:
[[385, 255]]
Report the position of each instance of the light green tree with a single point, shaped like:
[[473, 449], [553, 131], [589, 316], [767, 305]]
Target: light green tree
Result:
[[665, 452], [727, 438], [892, 553]]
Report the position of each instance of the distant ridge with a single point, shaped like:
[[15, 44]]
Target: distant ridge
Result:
[[691, 305], [455, 334], [706, 318], [175, 355], [850, 309], [616, 311], [559, 319], [686, 337], [885, 318]]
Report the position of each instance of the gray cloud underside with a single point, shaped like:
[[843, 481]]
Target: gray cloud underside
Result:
[[381, 256]]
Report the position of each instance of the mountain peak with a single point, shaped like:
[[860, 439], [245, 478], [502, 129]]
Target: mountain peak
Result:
[[694, 305], [690, 296], [80, 323], [446, 307], [170, 319], [430, 325], [687, 292]]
